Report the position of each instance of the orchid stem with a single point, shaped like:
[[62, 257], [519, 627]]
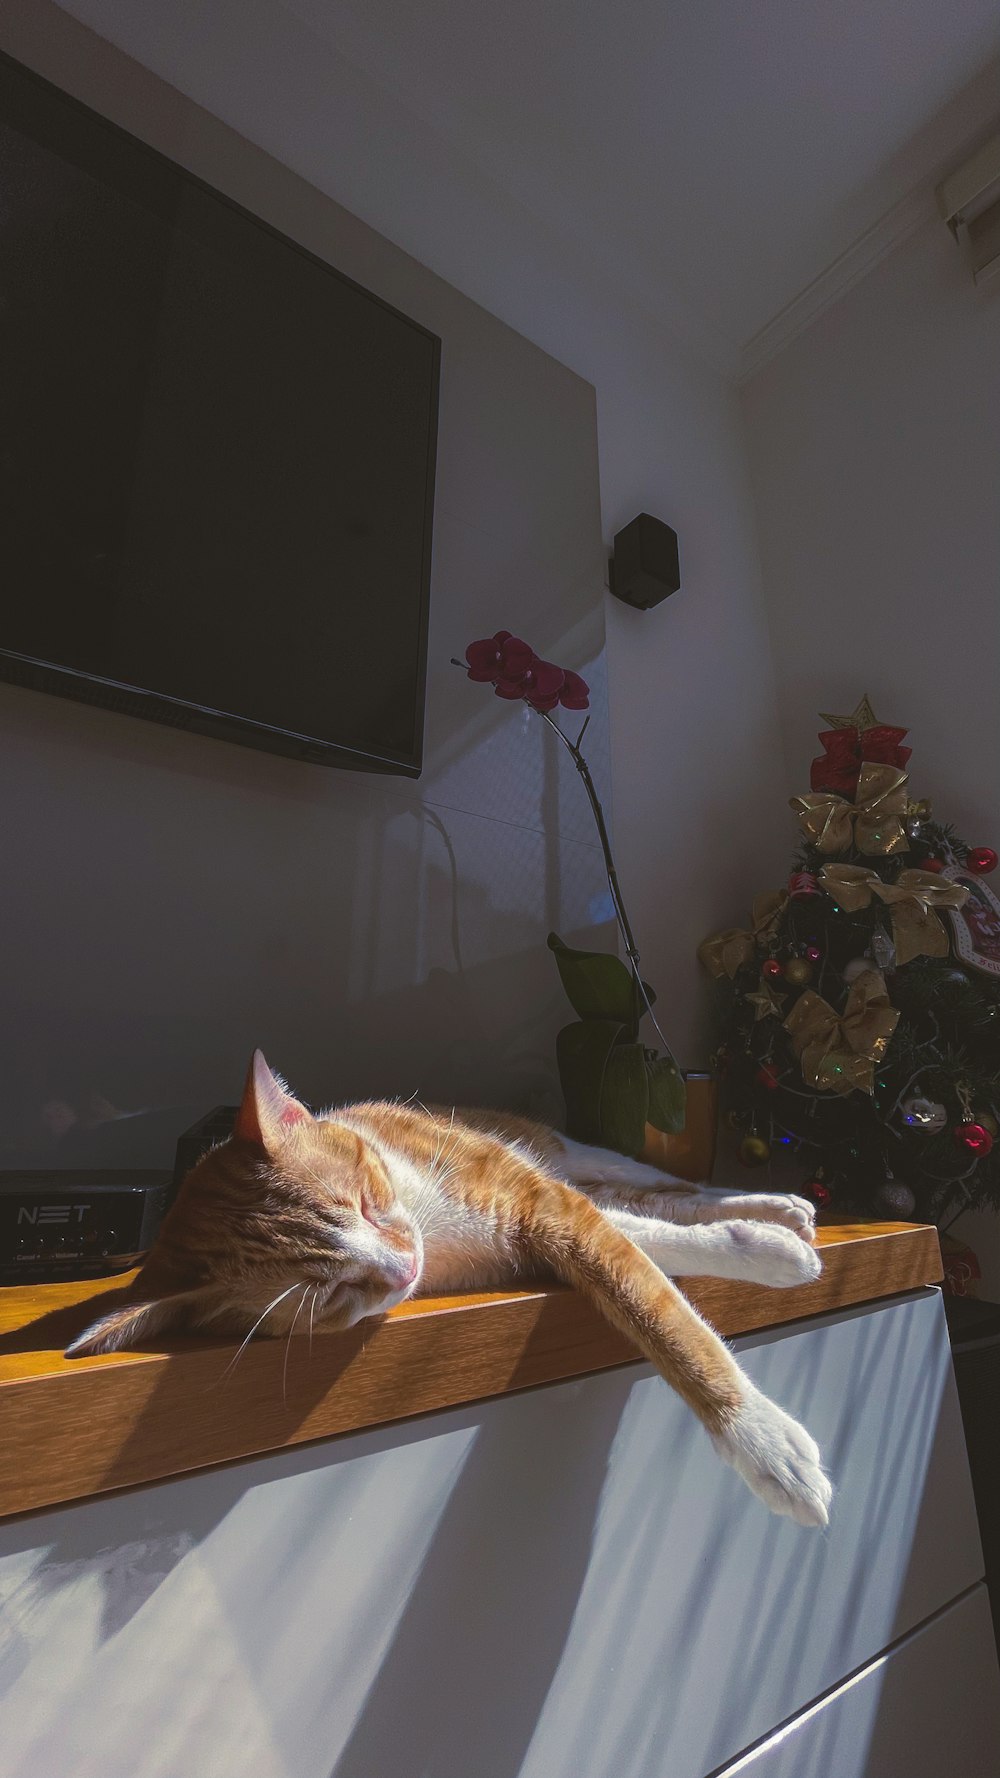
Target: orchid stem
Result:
[[573, 749]]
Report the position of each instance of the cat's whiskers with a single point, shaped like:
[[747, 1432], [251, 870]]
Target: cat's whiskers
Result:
[[312, 1312], [288, 1346], [437, 1151], [443, 1178], [242, 1348], [424, 1199]]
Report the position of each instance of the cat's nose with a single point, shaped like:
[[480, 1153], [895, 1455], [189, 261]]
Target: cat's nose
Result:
[[410, 1269]]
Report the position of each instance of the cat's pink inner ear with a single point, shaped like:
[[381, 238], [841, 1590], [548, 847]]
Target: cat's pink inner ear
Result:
[[268, 1110]]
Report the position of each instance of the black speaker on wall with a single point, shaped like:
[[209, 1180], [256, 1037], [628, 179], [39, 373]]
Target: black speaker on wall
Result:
[[645, 567]]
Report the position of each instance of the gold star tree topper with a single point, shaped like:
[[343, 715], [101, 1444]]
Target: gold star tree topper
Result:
[[862, 718]]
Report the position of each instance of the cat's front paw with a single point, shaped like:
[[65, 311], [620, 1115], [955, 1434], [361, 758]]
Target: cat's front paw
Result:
[[777, 1459], [791, 1212], [770, 1254]]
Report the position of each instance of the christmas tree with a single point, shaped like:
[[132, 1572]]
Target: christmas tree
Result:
[[860, 1011]]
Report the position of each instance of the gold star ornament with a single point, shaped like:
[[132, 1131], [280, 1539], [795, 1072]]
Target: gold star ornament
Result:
[[862, 718], [766, 1003]]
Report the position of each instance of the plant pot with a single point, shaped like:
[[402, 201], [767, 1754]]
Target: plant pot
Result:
[[691, 1153]]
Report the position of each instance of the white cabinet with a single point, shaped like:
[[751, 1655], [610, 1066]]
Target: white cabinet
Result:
[[560, 1584], [927, 1709]]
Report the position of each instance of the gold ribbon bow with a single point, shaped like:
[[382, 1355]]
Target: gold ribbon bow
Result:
[[917, 929], [726, 952], [838, 1051], [872, 822]]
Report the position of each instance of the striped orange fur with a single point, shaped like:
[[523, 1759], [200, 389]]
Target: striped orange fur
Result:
[[347, 1213]]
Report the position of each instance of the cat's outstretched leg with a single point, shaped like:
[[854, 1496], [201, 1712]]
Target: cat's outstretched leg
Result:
[[761, 1252], [708, 1204], [774, 1455], [615, 1180]]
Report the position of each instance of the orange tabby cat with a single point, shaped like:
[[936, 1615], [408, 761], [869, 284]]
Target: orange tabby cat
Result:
[[350, 1212]]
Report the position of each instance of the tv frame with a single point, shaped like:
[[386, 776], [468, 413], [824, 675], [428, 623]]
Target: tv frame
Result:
[[111, 694]]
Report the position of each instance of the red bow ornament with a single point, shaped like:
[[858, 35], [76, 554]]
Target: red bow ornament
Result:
[[846, 750]]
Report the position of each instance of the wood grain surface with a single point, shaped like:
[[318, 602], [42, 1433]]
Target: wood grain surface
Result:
[[76, 1427]]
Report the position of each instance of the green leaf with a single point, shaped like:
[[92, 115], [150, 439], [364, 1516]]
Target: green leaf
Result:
[[625, 1099], [582, 1053], [598, 985], [667, 1094]]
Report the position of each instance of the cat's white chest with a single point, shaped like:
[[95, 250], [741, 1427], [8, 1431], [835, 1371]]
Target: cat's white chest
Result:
[[463, 1248]]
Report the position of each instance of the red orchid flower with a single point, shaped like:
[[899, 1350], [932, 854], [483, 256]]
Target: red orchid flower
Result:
[[500, 657], [542, 684], [575, 693], [516, 673]]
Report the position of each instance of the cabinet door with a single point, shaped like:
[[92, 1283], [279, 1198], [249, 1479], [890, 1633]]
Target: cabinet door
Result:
[[565, 1583], [927, 1709]]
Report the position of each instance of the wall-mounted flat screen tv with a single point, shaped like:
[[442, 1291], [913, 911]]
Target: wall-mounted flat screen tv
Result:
[[216, 455]]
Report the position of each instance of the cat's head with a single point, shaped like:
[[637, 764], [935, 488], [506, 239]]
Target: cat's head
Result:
[[293, 1215]]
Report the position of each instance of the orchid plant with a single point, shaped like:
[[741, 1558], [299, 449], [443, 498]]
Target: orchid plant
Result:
[[612, 1083]]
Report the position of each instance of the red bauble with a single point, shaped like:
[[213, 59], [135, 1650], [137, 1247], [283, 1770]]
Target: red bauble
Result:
[[975, 1137], [767, 1076], [772, 969], [981, 860], [934, 864], [802, 882], [813, 953], [818, 1193]]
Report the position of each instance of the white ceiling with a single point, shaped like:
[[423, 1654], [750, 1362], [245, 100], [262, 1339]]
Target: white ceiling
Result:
[[721, 153]]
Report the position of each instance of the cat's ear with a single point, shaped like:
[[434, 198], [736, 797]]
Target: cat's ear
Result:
[[136, 1322], [268, 1110]]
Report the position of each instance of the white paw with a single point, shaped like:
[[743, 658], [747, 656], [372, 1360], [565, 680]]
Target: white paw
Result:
[[768, 1254], [792, 1213], [777, 1459], [797, 1214]]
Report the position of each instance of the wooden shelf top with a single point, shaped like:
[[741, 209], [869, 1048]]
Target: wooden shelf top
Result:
[[71, 1428]]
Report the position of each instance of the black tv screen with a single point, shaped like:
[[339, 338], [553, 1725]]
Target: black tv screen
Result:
[[216, 455]]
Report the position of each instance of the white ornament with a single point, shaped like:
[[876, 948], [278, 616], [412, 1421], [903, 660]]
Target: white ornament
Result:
[[924, 1114], [856, 967], [883, 951]]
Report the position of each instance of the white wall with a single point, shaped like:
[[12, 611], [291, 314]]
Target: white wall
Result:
[[700, 817], [874, 444], [169, 901]]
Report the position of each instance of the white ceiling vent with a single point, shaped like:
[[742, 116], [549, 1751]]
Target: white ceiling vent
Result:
[[969, 201]]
